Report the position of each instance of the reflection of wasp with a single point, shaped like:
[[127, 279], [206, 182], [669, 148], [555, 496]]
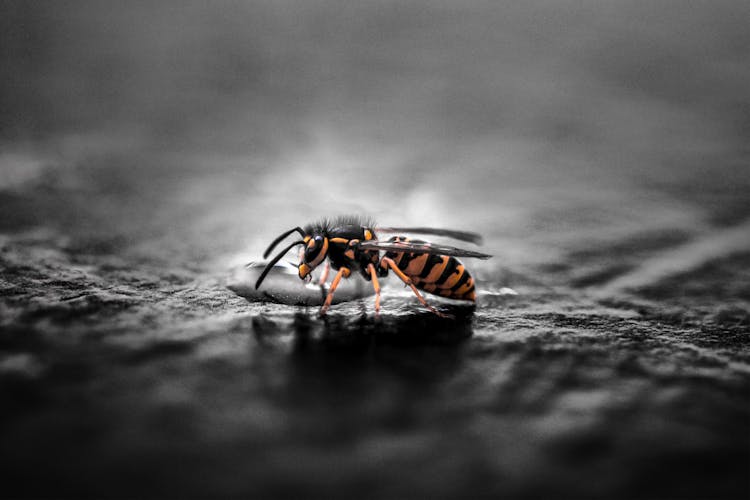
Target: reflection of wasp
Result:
[[350, 243]]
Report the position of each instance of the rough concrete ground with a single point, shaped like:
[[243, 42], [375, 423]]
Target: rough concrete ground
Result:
[[129, 369], [147, 149]]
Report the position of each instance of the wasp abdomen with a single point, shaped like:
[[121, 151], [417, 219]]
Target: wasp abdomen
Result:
[[441, 275]]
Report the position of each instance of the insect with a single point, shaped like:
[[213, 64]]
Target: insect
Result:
[[351, 244]]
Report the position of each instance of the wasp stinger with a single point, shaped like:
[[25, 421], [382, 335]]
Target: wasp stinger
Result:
[[350, 243]]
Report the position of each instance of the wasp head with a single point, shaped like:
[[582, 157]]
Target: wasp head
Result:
[[316, 250]]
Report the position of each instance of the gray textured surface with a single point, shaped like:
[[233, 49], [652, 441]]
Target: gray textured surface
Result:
[[128, 371], [146, 151]]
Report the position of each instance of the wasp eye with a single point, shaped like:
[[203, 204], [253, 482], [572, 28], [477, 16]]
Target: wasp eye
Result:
[[313, 247]]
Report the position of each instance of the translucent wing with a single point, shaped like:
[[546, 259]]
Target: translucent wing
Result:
[[458, 235], [431, 248]]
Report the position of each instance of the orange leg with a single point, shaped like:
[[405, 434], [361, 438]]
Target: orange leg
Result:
[[334, 284], [324, 276], [408, 281], [376, 286]]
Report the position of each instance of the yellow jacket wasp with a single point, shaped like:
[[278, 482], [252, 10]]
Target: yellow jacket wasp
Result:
[[350, 243]]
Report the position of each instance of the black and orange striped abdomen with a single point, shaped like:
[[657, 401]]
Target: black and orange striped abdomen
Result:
[[436, 274]]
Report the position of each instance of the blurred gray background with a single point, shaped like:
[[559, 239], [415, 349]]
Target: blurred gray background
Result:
[[602, 149], [509, 118]]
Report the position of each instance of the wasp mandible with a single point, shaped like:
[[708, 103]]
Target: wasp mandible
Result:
[[350, 243]]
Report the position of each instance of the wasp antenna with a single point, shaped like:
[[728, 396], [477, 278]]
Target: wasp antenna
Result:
[[281, 237], [274, 261]]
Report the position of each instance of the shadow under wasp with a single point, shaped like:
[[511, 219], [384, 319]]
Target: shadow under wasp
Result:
[[350, 243]]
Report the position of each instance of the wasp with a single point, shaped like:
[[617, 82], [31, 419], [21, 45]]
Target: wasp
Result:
[[351, 244]]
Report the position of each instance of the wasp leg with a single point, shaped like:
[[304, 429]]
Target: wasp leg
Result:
[[324, 276], [375, 285], [334, 284], [392, 264]]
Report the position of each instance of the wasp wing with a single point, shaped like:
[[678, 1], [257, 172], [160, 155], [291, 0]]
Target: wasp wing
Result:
[[451, 233], [431, 248]]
